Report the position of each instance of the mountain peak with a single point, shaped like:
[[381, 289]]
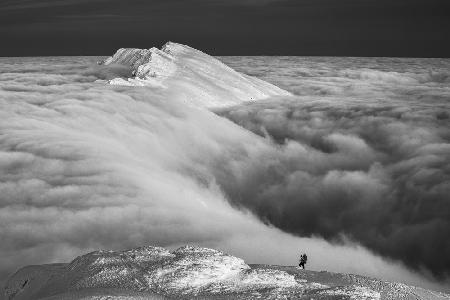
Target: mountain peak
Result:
[[202, 80]]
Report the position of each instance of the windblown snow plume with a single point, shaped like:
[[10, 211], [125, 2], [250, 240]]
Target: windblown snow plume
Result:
[[86, 165]]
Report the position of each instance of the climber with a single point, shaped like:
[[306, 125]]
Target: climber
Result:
[[303, 259]]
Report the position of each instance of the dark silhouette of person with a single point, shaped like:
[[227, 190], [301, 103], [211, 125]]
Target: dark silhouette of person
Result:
[[303, 260]]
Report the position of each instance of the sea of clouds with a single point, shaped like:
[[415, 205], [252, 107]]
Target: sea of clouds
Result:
[[349, 171], [367, 154]]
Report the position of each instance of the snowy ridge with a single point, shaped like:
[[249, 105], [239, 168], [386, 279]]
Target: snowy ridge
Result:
[[190, 75], [191, 272]]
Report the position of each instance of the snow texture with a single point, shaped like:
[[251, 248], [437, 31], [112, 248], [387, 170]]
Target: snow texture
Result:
[[191, 272], [202, 79]]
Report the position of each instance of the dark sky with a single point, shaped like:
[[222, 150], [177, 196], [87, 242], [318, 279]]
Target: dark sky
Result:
[[418, 28]]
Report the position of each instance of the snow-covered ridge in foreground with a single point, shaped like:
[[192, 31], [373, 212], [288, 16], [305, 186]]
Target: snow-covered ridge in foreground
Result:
[[196, 77], [192, 272]]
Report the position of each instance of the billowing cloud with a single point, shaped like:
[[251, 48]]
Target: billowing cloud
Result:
[[369, 159], [84, 165], [377, 175]]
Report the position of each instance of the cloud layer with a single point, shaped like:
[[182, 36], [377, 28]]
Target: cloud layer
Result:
[[84, 165], [379, 175], [368, 158]]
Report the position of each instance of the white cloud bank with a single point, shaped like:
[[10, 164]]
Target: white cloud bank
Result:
[[86, 166]]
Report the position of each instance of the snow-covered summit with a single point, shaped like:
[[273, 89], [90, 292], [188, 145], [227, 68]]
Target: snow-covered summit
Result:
[[191, 75], [192, 272]]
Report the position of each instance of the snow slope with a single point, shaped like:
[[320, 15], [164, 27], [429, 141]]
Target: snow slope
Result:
[[196, 77], [192, 272]]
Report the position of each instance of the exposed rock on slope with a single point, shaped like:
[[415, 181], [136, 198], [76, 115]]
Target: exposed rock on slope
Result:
[[192, 272], [201, 80]]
